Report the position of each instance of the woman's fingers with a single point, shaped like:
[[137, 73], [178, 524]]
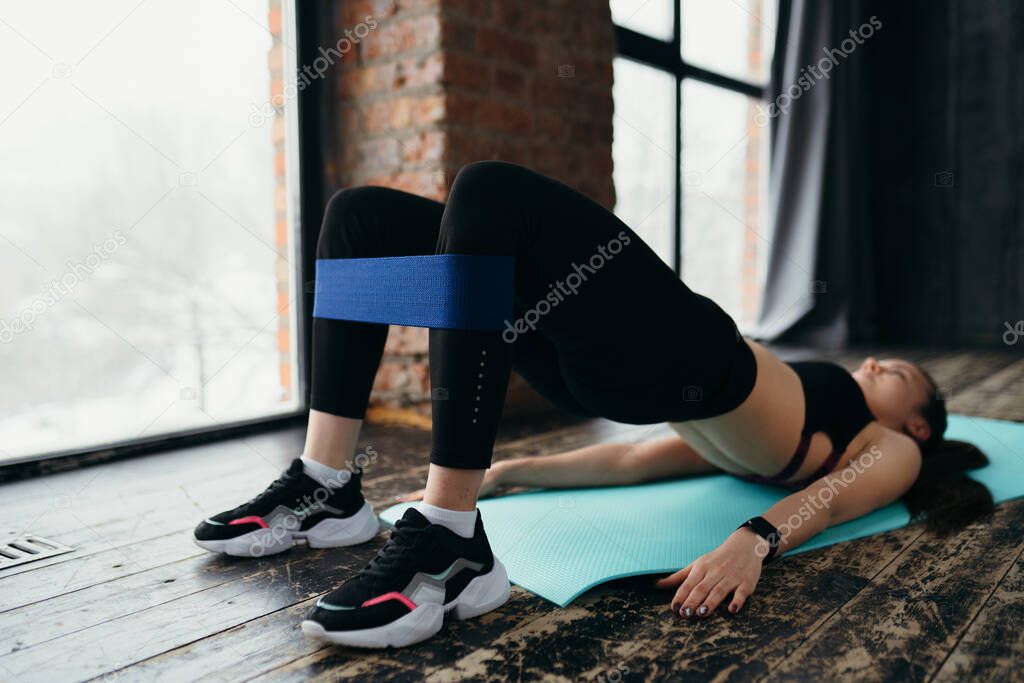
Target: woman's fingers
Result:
[[715, 597], [690, 576], [410, 497], [675, 579], [739, 597], [693, 602]]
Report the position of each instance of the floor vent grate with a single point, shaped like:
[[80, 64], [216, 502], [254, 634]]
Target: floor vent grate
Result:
[[29, 548]]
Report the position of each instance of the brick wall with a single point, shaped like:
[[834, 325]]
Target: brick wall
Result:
[[436, 84], [752, 258], [282, 226]]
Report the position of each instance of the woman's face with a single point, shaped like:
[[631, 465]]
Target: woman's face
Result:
[[895, 391]]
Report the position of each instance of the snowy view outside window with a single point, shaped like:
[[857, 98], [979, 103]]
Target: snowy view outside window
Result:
[[724, 164], [147, 242]]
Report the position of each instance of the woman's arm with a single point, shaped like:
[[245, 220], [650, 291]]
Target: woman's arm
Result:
[[878, 476], [606, 464]]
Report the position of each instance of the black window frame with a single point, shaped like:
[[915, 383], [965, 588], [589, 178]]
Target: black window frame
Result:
[[666, 55], [310, 32]]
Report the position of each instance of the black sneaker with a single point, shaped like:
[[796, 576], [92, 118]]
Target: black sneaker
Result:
[[402, 595], [294, 507]]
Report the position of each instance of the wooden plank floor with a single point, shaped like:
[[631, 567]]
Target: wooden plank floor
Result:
[[137, 601]]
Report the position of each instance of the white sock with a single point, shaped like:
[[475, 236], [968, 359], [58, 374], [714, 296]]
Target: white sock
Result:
[[461, 522], [328, 476]]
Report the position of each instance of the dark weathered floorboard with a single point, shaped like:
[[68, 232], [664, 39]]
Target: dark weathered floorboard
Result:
[[137, 598], [626, 626], [904, 623], [992, 649]]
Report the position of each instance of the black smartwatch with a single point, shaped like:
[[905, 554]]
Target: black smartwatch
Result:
[[766, 530]]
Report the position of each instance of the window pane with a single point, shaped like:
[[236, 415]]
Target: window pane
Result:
[[733, 38], [725, 185], [653, 17], [147, 243], [643, 152]]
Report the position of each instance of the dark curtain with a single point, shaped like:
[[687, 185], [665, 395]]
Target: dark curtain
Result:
[[799, 136], [919, 231]]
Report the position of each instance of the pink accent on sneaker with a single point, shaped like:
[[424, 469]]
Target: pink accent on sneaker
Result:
[[253, 519], [393, 595]]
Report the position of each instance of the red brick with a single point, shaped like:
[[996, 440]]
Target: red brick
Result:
[[400, 35], [351, 121], [505, 117], [511, 82], [417, 5], [522, 17], [599, 161], [552, 92], [276, 90], [457, 34], [592, 72], [424, 183], [407, 340], [553, 22], [581, 133], [461, 108], [427, 109], [499, 45], [366, 81], [397, 375], [474, 10], [416, 72], [514, 150], [275, 58], [598, 33], [550, 158], [599, 103], [356, 11], [426, 145], [466, 71], [551, 125], [389, 114], [383, 8], [379, 153]]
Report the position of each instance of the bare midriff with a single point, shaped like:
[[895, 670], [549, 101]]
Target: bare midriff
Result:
[[761, 435]]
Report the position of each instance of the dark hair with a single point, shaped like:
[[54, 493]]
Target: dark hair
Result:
[[943, 495]]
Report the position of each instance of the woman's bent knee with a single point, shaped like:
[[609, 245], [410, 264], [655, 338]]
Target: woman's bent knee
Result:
[[488, 178], [346, 220]]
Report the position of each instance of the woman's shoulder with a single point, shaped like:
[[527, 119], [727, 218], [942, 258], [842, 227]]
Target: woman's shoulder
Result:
[[878, 439]]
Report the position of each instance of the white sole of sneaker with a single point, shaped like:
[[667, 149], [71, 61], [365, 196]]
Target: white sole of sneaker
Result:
[[330, 533], [483, 594]]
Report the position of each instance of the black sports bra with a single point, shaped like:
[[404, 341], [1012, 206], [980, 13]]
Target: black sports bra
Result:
[[835, 405], [834, 402]]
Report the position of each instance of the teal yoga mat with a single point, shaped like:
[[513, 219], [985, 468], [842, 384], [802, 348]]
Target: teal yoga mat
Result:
[[559, 543]]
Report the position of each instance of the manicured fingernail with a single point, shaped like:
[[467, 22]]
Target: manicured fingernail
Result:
[[732, 608], [702, 610], [688, 611]]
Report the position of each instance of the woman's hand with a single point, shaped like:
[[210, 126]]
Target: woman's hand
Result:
[[733, 567], [492, 480]]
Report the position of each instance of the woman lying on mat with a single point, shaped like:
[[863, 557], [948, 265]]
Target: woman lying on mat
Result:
[[860, 449], [602, 327]]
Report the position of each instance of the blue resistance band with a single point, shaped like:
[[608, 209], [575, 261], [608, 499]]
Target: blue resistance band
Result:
[[446, 291]]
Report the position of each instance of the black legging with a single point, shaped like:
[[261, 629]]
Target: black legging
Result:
[[603, 327]]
